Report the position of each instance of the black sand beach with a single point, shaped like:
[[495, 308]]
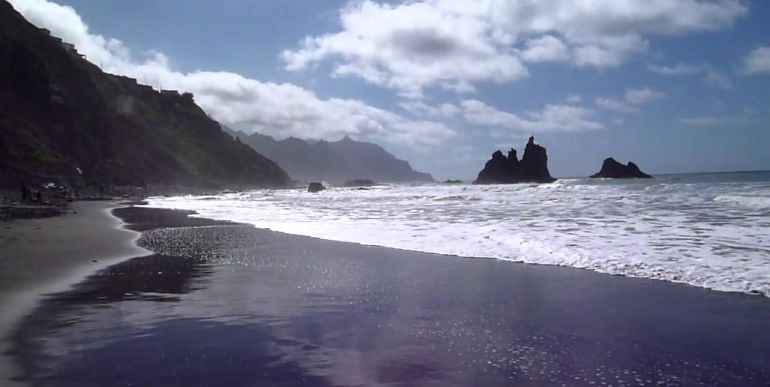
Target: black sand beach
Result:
[[37, 251], [228, 304], [40, 254]]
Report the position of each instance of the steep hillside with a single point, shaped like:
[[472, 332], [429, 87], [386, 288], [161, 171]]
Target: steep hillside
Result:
[[335, 162], [64, 120], [371, 161], [303, 160]]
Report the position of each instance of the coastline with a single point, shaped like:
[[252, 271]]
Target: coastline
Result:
[[707, 231], [283, 309], [46, 255]]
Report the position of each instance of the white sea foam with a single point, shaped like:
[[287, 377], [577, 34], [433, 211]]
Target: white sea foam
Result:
[[750, 201], [710, 233]]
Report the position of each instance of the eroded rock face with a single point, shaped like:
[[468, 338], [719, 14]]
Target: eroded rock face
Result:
[[532, 168], [616, 170]]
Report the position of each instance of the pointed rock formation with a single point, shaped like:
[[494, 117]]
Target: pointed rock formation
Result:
[[532, 168], [616, 170], [534, 164]]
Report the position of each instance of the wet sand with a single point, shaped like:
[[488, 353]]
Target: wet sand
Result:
[[43, 255], [228, 304], [36, 251]]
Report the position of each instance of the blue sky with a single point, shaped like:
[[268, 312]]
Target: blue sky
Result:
[[674, 85]]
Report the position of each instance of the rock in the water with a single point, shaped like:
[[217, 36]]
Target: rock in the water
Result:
[[359, 183], [616, 170], [315, 187], [532, 168]]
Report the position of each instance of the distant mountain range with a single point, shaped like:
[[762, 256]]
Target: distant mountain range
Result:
[[334, 162], [63, 120]]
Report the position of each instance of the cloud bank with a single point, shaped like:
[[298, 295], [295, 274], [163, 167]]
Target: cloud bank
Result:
[[564, 118], [455, 44]]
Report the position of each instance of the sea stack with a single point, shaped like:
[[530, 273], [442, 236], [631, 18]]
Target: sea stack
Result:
[[532, 168], [616, 170]]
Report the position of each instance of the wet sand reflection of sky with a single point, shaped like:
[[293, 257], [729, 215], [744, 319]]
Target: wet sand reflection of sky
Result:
[[233, 305]]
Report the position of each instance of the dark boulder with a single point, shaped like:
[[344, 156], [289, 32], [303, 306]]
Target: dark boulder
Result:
[[532, 168], [315, 187], [616, 170], [359, 183]]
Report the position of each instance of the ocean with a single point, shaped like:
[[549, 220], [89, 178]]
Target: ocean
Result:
[[710, 230]]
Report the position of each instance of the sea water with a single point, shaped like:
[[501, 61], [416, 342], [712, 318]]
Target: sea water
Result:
[[709, 230]]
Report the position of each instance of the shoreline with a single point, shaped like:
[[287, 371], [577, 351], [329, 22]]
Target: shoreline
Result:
[[706, 231], [193, 214], [47, 255], [549, 310]]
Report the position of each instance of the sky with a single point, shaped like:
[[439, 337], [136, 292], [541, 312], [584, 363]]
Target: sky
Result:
[[673, 85]]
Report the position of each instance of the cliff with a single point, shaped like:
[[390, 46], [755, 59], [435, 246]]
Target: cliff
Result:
[[63, 120], [335, 161], [532, 168], [616, 170]]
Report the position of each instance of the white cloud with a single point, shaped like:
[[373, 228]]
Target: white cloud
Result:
[[545, 49], [419, 108], [619, 121], [587, 20], [642, 96], [678, 69], [248, 104], [457, 43], [614, 105], [631, 101], [574, 98], [718, 79], [597, 56], [479, 113], [608, 51], [710, 76], [702, 120], [757, 61], [552, 118], [410, 46], [746, 115]]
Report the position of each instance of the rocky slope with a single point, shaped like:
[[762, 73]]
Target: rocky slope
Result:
[[64, 120], [532, 168], [335, 162]]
